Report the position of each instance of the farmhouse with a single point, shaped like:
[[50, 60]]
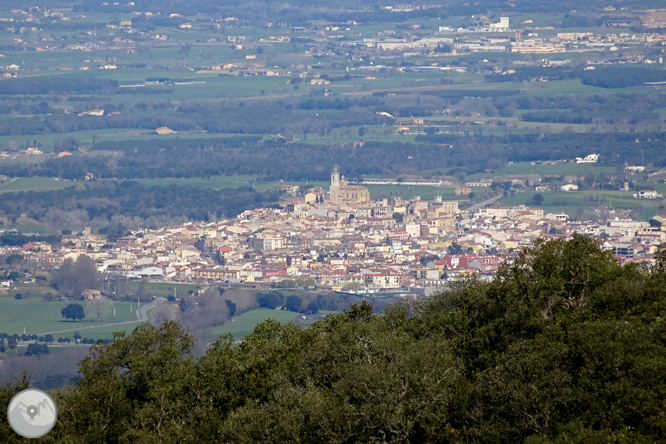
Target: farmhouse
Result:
[[165, 130], [462, 191]]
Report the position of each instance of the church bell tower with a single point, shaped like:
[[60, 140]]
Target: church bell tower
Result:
[[335, 179]]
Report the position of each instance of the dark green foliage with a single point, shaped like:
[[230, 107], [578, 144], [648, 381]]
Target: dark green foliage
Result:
[[537, 199], [293, 303], [15, 239], [185, 305], [271, 299], [312, 308], [232, 308], [176, 144], [428, 258], [557, 343], [14, 259], [114, 231], [37, 349], [565, 345], [73, 312], [455, 248], [614, 147], [57, 85]]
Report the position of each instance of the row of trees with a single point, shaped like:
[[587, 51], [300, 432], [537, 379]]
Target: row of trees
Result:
[[267, 117], [606, 77], [118, 207], [565, 345], [296, 161]]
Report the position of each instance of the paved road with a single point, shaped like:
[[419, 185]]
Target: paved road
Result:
[[141, 314], [87, 328], [485, 202]]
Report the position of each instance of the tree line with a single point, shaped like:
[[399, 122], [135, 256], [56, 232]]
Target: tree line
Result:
[[107, 204], [300, 161], [603, 77]]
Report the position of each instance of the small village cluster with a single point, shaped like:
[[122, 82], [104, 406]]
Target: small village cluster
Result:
[[343, 241]]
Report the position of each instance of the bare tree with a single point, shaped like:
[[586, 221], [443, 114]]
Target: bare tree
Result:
[[99, 307], [162, 313], [74, 277]]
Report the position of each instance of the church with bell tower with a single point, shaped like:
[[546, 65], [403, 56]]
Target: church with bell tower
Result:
[[343, 194]]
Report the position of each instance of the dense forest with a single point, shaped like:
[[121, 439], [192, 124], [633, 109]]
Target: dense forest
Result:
[[131, 205], [268, 117], [564, 345], [434, 153], [336, 10]]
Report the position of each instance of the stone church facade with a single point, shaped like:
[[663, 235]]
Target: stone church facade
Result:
[[343, 194]]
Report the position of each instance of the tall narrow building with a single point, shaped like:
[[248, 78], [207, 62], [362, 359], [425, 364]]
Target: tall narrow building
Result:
[[335, 180]]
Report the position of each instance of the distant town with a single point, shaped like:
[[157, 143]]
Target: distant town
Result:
[[342, 241]]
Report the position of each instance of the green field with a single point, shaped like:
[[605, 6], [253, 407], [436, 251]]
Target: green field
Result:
[[569, 202], [35, 184], [426, 192], [245, 323], [163, 289], [215, 182], [562, 169], [311, 319], [164, 286], [86, 139], [30, 229], [38, 316], [219, 182]]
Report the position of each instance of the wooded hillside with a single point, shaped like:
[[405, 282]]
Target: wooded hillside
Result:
[[565, 345]]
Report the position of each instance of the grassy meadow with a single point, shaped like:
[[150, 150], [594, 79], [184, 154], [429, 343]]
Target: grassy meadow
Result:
[[570, 202], [39, 316], [245, 323], [35, 184]]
